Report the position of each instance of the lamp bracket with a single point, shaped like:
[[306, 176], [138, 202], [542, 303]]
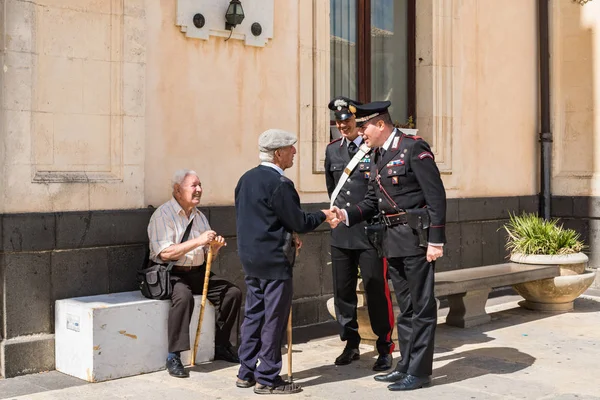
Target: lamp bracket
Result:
[[260, 12]]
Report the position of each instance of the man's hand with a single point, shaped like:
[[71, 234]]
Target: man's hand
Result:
[[332, 219], [297, 241], [217, 243], [206, 237], [434, 252], [339, 214]]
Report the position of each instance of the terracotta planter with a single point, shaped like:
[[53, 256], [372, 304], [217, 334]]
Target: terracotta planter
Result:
[[558, 293]]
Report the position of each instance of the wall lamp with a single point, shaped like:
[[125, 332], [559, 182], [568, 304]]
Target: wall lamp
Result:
[[234, 15]]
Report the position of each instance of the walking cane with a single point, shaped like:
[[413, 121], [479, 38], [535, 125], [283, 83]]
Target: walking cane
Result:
[[289, 330], [204, 294], [289, 340]]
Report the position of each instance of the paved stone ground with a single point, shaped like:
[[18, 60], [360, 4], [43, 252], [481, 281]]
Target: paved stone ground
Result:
[[519, 355]]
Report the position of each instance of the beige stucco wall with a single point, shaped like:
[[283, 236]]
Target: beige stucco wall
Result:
[[73, 105], [208, 101], [102, 101], [575, 98], [477, 93]]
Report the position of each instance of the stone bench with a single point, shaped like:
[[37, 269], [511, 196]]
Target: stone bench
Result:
[[467, 289], [98, 338]]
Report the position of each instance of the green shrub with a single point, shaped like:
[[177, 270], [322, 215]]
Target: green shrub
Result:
[[530, 234]]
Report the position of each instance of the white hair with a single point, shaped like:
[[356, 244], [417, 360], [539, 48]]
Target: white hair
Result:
[[180, 175], [266, 156]]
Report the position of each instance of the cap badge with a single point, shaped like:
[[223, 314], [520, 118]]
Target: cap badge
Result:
[[340, 103]]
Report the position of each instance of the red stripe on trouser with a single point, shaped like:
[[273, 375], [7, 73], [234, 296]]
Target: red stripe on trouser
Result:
[[390, 307]]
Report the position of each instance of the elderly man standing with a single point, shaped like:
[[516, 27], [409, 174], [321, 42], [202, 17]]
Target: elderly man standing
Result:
[[166, 230], [268, 215]]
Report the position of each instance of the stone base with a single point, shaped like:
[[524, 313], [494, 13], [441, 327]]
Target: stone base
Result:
[[115, 335], [596, 283], [468, 309], [27, 355], [547, 307]]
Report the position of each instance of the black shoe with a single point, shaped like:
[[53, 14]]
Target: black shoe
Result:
[[348, 355], [411, 382], [175, 368], [393, 376], [383, 363], [245, 384], [226, 353]]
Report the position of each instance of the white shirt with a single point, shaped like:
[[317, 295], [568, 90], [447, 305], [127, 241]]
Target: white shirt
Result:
[[166, 228], [388, 142], [275, 167], [357, 141]]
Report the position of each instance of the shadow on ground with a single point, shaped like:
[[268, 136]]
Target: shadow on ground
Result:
[[477, 362], [333, 373]]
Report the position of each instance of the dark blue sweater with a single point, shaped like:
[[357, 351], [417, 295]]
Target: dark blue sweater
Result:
[[267, 209]]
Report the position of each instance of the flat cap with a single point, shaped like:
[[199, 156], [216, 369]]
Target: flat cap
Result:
[[273, 139], [365, 112]]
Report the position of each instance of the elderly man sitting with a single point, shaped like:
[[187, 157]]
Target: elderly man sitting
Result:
[[165, 231]]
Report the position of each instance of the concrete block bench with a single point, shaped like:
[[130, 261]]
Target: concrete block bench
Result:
[[467, 289], [98, 338]]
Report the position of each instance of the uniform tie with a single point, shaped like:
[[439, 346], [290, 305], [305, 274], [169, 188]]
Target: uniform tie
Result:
[[352, 149], [381, 152]]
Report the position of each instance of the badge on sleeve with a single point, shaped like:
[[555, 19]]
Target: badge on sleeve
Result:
[[425, 154]]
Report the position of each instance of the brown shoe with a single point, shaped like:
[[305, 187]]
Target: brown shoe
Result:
[[245, 384], [282, 388]]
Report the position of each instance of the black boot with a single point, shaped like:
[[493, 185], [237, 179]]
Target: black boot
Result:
[[348, 355], [226, 352], [175, 368], [383, 363]]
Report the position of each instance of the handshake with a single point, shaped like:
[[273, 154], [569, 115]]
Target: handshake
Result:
[[334, 216]]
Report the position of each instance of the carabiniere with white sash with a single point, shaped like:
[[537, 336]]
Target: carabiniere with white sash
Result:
[[352, 176]]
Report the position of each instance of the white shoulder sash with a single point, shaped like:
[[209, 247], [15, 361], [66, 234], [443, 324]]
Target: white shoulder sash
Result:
[[362, 150]]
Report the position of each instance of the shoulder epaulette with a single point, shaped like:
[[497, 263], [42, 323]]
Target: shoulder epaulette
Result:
[[335, 140], [414, 137]]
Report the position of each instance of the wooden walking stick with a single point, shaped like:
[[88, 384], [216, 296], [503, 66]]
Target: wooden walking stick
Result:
[[298, 245], [204, 294], [289, 340]]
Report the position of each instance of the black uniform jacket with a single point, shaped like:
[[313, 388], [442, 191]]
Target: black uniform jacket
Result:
[[353, 191], [406, 177]]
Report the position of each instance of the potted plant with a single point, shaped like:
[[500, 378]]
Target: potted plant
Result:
[[408, 127], [534, 240]]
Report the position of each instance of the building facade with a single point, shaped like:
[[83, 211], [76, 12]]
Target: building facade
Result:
[[102, 100]]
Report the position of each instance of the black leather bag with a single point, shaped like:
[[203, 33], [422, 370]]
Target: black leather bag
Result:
[[155, 279]]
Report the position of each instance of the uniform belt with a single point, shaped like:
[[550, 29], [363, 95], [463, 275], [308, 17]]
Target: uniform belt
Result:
[[394, 219], [187, 268]]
